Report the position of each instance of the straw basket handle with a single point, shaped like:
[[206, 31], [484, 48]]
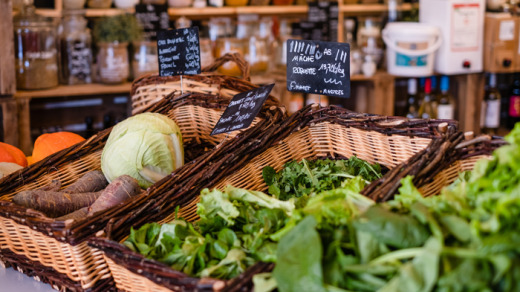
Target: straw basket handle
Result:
[[243, 65]]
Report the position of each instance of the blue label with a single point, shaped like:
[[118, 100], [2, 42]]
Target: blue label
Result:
[[408, 61]]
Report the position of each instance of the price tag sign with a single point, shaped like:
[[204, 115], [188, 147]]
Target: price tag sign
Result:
[[318, 67], [242, 110], [153, 18], [179, 51]]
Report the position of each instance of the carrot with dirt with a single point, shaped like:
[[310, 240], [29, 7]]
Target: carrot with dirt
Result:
[[54, 186], [76, 215], [55, 204], [91, 181], [119, 190]]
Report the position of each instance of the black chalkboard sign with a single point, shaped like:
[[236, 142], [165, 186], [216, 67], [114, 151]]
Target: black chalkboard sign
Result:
[[153, 18], [242, 110], [318, 67], [179, 51]]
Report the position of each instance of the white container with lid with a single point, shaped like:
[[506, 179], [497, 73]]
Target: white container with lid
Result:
[[462, 26], [411, 48]]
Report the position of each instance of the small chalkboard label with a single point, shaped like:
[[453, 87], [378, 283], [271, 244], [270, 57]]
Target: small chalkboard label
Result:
[[153, 18], [318, 67], [242, 110], [179, 51]]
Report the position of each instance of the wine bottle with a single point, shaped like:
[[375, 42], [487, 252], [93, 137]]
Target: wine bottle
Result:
[[445, 102], [490, 114], [427, 109], [514, 103], [412, 105]]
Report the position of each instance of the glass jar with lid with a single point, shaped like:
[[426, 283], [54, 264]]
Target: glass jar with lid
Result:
[[75, 49], [36, 60], [255, 35]]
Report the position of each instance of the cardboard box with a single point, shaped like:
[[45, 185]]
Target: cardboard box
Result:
[[501, 43]]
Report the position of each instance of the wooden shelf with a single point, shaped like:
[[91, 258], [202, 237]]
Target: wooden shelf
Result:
[[106, 12], [370, 8], [76, 90], [211, 11], [290, 10]]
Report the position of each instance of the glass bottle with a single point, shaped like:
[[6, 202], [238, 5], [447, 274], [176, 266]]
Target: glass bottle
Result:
[[427, 108], [514, 102], [36, 55], [75, 49], [412, 105], [445, 102], [490, 111]]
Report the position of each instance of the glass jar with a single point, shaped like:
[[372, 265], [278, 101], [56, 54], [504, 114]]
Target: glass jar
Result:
[[125, 4], [206, 52], [144, 59], [36, 61], [75, 49], [73, 4], [99, 3], [229, 45], [112, 62], [255, 35]]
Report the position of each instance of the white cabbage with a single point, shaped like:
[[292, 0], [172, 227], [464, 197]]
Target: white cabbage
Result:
[[146, 147]]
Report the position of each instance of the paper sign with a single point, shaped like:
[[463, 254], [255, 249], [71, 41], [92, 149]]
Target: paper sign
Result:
[[318, 67], [242, 110], [179, 51]]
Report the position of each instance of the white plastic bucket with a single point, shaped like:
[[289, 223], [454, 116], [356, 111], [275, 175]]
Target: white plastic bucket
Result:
[[410, 48]]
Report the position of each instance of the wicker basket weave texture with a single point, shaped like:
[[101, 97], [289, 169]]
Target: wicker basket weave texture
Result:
[[128, 281], [39, 238], [150, 89], [320, 140]]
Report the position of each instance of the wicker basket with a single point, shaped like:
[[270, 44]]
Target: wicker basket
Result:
[[328, 132], [152, 88], [42, 246]]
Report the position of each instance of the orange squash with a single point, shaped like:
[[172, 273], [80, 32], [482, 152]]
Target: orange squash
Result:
[[48, 144], [9, 153]]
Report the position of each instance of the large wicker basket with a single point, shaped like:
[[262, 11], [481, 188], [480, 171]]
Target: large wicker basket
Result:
[[56, 251], [150, 89], [328, 132]]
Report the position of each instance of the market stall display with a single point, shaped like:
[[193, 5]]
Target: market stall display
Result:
[[67, 260], [309, 134]]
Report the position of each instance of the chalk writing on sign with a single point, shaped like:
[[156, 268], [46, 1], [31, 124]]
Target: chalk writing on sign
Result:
[[242, 110], [318, 67], [179, 51]]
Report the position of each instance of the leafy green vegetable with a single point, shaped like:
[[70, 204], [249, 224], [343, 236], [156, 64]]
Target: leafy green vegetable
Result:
[[299, 256], [232, 234], [393, 229], [146, 147], [303, 178]]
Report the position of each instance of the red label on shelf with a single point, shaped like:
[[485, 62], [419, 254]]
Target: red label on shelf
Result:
[[514, 106]]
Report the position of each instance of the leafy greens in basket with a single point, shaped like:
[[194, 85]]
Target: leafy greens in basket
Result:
[[239, 227], [298, 179], [466, 239]]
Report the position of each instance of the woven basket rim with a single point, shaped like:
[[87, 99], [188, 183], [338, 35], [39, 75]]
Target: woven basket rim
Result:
[[48, 274]]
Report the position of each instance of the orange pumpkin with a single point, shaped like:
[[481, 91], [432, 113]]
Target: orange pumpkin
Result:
[[9, 153], [48, 144]]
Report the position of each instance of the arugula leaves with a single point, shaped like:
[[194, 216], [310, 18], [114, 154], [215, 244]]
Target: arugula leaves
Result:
[[232, 234], [298, 179]]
